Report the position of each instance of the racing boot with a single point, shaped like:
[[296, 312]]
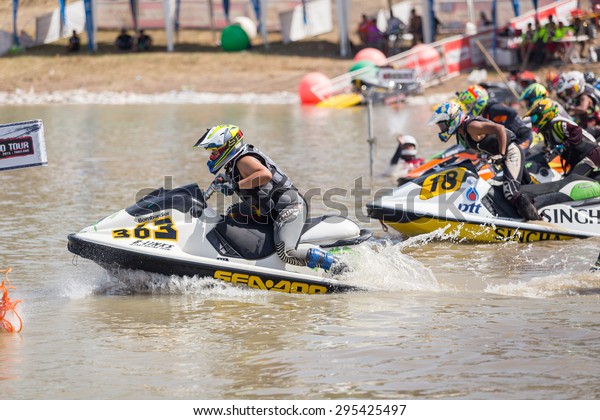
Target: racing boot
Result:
[[526, 208], [319, 258]]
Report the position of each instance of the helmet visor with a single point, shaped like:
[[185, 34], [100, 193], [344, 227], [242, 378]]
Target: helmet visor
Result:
[[215, 152], [444, 126]]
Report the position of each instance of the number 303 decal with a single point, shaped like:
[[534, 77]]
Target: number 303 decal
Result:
[[163, 230]]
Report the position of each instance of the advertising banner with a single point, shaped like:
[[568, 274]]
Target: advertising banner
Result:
[[22, 145]]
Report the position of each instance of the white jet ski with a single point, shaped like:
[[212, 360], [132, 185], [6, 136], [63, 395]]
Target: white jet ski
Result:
[[175, 232], [454, 198]]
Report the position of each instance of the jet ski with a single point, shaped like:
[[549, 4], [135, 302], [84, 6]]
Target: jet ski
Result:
[[536, 163], [453, 197], [176, 232]]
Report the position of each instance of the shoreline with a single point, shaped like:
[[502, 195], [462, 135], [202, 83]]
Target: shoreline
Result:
[[83, 97]]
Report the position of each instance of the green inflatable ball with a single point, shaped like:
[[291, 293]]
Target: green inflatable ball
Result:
[[234, 38]]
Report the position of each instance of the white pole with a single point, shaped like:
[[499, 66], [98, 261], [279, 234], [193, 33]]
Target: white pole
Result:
[[426, 19], [169, 10], [95, 24], [471, 10], [342, 11], [263, 23], [211, 12]]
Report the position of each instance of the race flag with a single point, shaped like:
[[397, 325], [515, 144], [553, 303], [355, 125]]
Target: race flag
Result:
[[22, 145]]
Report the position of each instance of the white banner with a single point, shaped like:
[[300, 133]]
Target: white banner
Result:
[[48, 27], [295, 25], [22, 145]]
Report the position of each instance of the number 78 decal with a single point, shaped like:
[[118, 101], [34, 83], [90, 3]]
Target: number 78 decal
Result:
[[163, 229]]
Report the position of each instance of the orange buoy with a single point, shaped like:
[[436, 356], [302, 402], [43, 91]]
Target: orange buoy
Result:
[[425, 58], [308, 85], [373, 55]]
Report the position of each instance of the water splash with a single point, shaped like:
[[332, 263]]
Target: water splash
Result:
[[381, 265], [584, 283]]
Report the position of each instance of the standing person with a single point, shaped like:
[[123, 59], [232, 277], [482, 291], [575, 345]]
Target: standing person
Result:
[[479, 134], [484, 21], [363, 29], [476, 101], [527, 45], [263, 186], [415, 27], [577, 148]]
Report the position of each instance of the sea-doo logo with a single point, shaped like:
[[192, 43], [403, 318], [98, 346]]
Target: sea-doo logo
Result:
[[151, 244], [582, 216], [257, 282]]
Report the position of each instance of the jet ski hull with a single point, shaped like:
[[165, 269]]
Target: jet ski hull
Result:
[[175, 232], [485, 233], [455, 199], [110, 257]]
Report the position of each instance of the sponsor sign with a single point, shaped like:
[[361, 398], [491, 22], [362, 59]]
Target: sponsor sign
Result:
[[22, 145]]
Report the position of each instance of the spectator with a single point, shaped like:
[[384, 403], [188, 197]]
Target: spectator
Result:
[[415, 27], [124, 41], [376, 38], [363, 29], [143, 42], [540, 39], [394, 31], [484, 21], [74, 43], [527, 44]]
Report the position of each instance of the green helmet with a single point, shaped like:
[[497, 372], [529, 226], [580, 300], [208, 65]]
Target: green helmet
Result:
[[542, 112], [533, 93]]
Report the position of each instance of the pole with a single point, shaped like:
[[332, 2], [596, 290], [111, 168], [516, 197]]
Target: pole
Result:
[[495, 66], [371, 139]]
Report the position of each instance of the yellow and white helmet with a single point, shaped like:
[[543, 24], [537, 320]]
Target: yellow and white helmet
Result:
[[225, 141]]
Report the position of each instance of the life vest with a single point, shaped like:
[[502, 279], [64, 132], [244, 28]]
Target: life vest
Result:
[[489, 144], [265, 197], [508, 117]]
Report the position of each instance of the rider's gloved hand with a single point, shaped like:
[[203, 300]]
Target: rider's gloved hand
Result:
[[497, 159], [224, 184]]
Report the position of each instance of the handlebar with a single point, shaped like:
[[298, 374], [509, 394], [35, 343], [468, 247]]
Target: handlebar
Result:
[[210, 190]]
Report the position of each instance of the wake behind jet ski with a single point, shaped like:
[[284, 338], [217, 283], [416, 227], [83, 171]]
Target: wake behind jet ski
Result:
[[176, 232], [536, 163], [454, 198]]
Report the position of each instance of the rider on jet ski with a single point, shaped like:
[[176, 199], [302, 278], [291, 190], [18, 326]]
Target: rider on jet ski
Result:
[[479, 134], [577, 148], [582, 100], [259, 182], [536, 91], [476, 101]]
